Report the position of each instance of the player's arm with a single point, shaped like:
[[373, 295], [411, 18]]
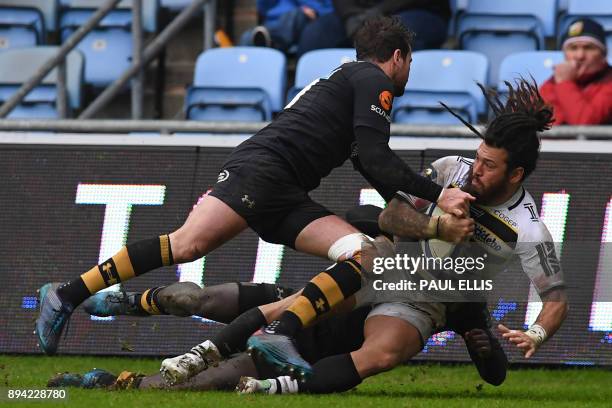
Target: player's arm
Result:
[[554, 310], [372, 156], [389, 174], [401, 219], [539, 261]]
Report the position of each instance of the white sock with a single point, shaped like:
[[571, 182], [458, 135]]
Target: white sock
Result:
[[286, 384]]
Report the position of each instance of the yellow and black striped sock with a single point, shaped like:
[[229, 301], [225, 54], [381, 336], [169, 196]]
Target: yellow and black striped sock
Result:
[[132, 260], [149, 303], [322, 294]]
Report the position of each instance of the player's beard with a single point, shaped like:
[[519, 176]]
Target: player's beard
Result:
[[485, 195]]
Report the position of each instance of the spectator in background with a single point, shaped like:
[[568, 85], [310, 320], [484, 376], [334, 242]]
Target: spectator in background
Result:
[[284, 21], [427, 18], [581, 88]]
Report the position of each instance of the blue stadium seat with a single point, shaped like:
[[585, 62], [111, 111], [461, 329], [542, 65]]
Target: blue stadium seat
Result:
[[108, 48], [536, 64], [598, 10], [498, 29], [19, 64], [175, 5], [237, 84], [457, 8], [442, 75], [318, 64], [24, 23]]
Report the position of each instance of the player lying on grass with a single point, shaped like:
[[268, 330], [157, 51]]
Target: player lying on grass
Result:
[[320, 344], [505, 214]]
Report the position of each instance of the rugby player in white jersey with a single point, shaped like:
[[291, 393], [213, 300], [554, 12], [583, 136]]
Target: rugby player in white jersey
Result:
[[504, 212]]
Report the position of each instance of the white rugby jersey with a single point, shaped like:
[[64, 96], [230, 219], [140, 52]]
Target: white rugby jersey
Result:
[[510, 229]]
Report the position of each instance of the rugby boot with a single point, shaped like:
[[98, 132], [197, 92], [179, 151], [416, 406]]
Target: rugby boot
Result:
[[181, 368], [280, 352], [95, 378], [113, 303], [54, 314]]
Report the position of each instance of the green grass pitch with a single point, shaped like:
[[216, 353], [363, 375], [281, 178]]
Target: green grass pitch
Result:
[[409, 386]]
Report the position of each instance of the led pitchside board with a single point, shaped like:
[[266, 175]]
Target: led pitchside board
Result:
[[66, 209]]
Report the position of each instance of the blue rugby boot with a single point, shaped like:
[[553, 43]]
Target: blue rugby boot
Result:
[[54, 314], [280, 352], [113, 303], [95, 378]]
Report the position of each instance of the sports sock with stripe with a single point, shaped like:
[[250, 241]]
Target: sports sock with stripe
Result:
[[132, 260], [321, 294]]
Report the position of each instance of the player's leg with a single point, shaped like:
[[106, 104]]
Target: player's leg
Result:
[[389, 341], [472, 322], [210, 224], [223, 376], [343, 244], [229, 340], [222, 303]]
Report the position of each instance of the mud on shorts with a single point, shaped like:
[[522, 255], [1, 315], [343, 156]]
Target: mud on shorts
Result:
[[263, 189]]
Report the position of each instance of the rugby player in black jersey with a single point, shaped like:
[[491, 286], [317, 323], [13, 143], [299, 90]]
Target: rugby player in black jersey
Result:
[[264, 185]]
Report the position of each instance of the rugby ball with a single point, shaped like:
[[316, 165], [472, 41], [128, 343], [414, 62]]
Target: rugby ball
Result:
[[436, 248]]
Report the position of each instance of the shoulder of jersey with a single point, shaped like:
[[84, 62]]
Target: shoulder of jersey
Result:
[[451, 164], [531, 229], [364, 69]]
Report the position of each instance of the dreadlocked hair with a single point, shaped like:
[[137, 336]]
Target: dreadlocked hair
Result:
[[515, 123]]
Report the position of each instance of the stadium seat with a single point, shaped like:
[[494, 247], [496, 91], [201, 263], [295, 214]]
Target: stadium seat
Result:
[[598, 10], [442, 75], [24, 23], [318, 64], [498, 29], [237, 84], [457, 8], [19, 64], [108, 48], [175, 5], [537, 64]]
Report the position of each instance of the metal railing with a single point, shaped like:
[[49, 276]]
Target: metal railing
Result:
[[249, 128], [140, 59]]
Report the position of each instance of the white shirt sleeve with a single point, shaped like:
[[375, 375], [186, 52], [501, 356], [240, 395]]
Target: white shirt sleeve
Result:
[[538, 257]]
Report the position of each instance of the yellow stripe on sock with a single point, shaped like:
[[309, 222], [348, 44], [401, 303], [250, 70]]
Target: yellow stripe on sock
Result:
[[164, 244], [303, 309], [329, 287], [93, 280], [150, 308], [124, 265]]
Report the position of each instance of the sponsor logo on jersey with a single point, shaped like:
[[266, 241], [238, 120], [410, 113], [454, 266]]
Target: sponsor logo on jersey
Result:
[[486, 238], [498, 227], [386, 100], [381, 112], [504, 217], [224, 175]]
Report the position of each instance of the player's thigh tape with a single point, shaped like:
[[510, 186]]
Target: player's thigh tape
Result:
[[346, 247]]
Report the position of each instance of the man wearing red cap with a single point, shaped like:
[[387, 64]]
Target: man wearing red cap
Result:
[[581, 88]]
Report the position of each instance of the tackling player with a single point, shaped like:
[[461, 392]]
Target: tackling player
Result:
[[264, 185]]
